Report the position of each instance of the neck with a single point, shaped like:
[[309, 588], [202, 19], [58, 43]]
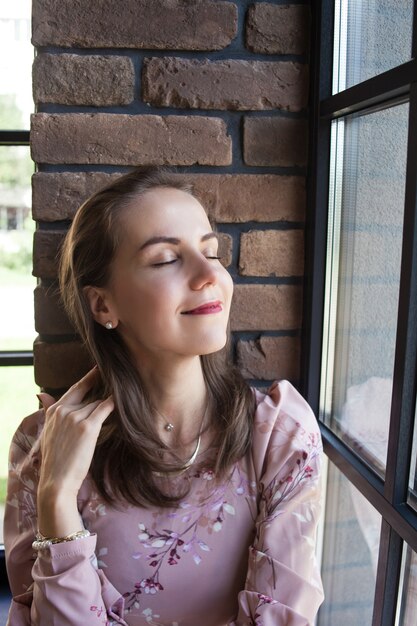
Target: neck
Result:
[[179, 396]]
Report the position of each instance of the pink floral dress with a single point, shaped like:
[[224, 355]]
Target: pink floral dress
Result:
[[237, 552]]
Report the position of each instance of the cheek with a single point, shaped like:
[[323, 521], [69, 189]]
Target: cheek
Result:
[[227, 284], [156, 305]]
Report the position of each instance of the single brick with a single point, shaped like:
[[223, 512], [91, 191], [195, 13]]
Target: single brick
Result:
[[270, 358], [251, 197], [59, 365], [57, 196], [277, 29], [50, 316], [158, 24], [272, 253], [228, 84], [46, 249], [92, 80], [118, 139], [270, 307], [225, 248], [226, 197], [275, 141]]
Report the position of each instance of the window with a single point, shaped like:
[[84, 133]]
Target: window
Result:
[[17, 332], [361, 307]]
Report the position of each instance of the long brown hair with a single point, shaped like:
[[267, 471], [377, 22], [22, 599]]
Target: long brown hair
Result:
[[128, 452]]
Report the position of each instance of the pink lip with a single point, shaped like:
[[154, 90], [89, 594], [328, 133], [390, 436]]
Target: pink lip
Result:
[[206, 309]]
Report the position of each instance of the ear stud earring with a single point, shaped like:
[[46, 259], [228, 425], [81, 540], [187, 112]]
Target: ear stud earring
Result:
[[108, 325]]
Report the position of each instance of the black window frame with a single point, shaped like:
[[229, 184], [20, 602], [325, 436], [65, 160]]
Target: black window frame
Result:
[[389, 497]]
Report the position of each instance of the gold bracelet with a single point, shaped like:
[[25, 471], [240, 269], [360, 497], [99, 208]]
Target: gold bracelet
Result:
[[42, 542]]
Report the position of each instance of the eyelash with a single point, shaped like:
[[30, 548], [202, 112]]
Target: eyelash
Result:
[[216, 258], [164, 263]]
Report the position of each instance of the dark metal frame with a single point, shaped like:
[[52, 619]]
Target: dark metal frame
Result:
[[14, 137], [389, 497]]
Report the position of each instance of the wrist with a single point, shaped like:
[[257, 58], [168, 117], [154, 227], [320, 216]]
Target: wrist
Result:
[[53, 490], [58, 514]]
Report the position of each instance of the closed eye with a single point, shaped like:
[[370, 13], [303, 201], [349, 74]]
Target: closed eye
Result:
[[164, 263]]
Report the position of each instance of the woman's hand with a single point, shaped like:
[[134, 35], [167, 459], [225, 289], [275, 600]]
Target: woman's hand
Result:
[[68, 441]]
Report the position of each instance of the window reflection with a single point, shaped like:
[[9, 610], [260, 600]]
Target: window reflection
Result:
[[361, 35], [408, 594], [350, 553], [367, 201], [412, 486]]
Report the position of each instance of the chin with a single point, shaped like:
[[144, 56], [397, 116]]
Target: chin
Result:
[[212, 345]]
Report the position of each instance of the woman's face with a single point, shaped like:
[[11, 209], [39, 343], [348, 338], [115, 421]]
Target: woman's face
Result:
[[168, 293]]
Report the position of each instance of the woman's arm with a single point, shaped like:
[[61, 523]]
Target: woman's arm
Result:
[[59, 584], [68, 441], [283, 585]]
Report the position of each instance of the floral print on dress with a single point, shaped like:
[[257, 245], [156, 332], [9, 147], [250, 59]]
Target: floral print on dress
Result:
[[208, 515], [259, 525], [262, 600], [280, 489], [22, 493], [285, 496], [96, 506]]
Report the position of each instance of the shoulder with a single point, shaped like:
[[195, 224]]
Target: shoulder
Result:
[[284, 428], [281, 404]]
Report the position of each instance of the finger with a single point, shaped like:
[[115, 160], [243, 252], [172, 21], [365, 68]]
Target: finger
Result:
[[102, 411], [46, 400], [76, 393], [76, 413]]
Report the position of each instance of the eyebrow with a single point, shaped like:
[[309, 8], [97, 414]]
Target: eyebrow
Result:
[[174, 240]]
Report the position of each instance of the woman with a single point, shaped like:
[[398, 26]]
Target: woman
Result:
[[163, 489]]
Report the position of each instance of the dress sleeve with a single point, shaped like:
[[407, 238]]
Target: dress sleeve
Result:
[[283, 585], [61, 584]]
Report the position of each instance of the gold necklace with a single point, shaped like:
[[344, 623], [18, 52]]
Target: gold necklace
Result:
[[193, 457]]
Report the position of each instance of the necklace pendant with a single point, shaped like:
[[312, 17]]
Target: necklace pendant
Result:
[[168, 427]]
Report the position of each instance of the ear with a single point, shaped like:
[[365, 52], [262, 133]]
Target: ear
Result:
[[101, 306]]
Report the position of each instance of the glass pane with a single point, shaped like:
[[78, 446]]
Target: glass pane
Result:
[[412, 487], [366, 221], [17, 399], [370, 38], [350, 554], [17, 387], [407, 610], [16, 57], [16, 234]]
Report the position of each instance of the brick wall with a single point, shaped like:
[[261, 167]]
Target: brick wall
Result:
[[216, 88]]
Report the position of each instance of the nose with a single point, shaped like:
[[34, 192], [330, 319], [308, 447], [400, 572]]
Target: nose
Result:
[[204, 272]]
